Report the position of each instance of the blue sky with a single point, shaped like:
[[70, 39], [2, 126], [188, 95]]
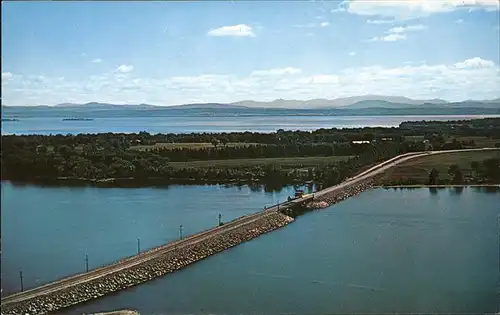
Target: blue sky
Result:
[[168, 53]]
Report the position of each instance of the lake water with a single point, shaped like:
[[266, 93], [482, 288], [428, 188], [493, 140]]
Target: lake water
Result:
[[47, 231], [184, 124], [416, 250]]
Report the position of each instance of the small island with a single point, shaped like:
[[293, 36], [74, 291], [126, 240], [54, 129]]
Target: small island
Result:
[[10, 119], [78, 119]]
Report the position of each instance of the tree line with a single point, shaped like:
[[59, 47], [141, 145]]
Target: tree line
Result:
[[26, 161]]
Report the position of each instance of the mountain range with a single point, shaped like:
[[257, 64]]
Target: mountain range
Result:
[[355, 102], [338, 102], [368, 105]]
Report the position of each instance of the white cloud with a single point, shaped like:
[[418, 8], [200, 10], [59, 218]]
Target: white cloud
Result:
[[474, 78], [475, 62], [240, 30], [389, 38], [398, 33], [398, 29], [324, 24], [324, 79], [341, 7], [352, 53], [276, 71], [405, 9], [459, 21], [125, 68], [417, 27], [6, 76], [97, 60]]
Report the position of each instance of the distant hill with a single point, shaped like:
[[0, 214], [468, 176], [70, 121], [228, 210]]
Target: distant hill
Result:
[[427, 105], [356, 105], [208, 106], [107, 106], [338, 102], [496, 100], [103, 106], [381, 104]]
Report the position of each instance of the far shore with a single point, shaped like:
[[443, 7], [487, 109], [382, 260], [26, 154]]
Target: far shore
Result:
[[438, 186], [131, 182]]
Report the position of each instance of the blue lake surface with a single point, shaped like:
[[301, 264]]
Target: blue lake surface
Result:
[[416, 250], [47, 231], [185, 124]]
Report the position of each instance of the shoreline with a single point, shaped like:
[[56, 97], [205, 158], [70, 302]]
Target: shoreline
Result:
[[131, 182], [437, 186], [146, 183]]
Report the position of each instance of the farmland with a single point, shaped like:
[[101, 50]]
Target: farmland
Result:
[[418, 169], [293, 162], [192, 146]]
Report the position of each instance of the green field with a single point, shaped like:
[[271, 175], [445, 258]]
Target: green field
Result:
[[414, 138], [296, 162], [419, 169], [170, 146], [481, 142]]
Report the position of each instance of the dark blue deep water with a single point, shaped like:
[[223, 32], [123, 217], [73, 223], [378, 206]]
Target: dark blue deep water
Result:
[[416, 250]]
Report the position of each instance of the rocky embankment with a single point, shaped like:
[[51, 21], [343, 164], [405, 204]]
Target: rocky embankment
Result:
[[337, 196], [169, 262], [123, 312]]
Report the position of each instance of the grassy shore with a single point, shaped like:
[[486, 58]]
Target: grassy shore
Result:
[[293, 162], [418, 169], [438, 186]]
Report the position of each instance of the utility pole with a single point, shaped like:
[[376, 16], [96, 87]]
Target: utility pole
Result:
[[21, 277], [220, 219], [87, 263], [138, 246], [180, 231]]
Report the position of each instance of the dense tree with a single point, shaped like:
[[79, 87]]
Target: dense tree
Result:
[[474, 165], [434, 177], [491, 169], [224, 140], [452, 169], [214, 142], [458, 177]]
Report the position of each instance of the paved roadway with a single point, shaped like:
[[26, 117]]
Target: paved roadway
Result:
[[156, 252]]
